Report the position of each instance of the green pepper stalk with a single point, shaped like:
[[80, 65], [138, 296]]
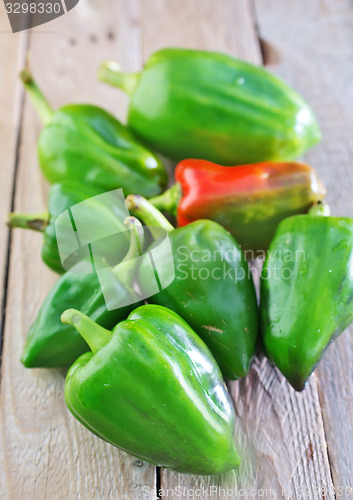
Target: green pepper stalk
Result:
[[95, 336], [87, 144], [212, 290], [111, 72], [306, 291], [52, 344], [152, 388], [39, 101], [320, 208], [150, 215], [35, 222]]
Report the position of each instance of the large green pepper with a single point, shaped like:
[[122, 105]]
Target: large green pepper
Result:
[[306, 291], [213, 288], [62, 197], [152, 388], [198, 104], [89, 145], [49, 342]]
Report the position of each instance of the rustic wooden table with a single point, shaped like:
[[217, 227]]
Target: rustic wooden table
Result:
[[293, 445]]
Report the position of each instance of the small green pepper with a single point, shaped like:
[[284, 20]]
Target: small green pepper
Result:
[[52, 344], [213, 289], [306, 291], [152, 388], [87, 144], [61, 198]]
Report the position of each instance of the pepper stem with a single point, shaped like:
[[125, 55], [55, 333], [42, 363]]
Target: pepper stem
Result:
[[126, 273], [320, 208], [40, 102], [136, 239], [35, 222], [148, 213], [169, 200], [110, 72], [96, 336]]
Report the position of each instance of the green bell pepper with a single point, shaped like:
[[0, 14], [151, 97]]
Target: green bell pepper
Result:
[[87, 144], [52, 344], [213, 288], [152, 388], [207, 105], [62, 197], [306, 291]]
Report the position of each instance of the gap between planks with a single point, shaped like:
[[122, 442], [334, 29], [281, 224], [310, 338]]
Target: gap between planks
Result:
[[18, 131]]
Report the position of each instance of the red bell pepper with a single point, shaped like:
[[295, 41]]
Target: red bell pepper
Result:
[[248, 200]]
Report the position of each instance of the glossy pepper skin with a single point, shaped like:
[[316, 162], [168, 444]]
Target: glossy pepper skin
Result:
[[199, 104], [152, 388], [248, 200], [49, 342], [213, 290], [85, 143], [306, 292], [62, 197]]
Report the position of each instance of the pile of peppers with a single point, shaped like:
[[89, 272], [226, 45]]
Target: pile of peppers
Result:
[[148, 377]]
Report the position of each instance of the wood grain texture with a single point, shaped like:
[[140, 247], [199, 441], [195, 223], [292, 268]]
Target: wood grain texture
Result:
[[46, 452], [316, 55], [280, 437], [11, 57], [224, 26]]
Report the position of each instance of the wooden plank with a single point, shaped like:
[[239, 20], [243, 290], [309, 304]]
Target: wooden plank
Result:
[[335, 382], [201, 24], [46, 453], [315, 54], [280, 437], [244, 41], [11, 56], [279, 432]]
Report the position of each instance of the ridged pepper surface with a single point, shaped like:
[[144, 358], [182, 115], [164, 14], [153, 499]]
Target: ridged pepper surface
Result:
[[208, 105], [85, 143], [152, 388], [213, 289], [306, 291]]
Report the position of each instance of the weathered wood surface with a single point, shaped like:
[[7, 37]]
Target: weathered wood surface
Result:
[[320, 62], [293, 445], [47, 454], [11, 54], [316, 55]]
